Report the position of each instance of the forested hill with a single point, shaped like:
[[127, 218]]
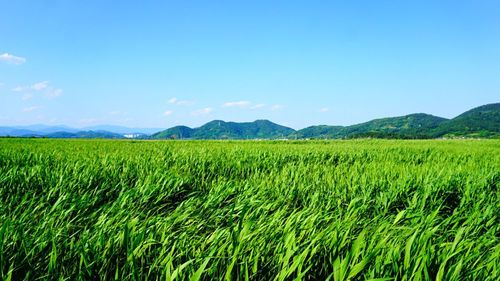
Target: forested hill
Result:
[[218, 129], [483, 121], [480, 122]]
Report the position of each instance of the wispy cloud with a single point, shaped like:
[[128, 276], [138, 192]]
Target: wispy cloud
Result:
[[11, 59], [258, 106], [53, 93], [35, 87], [19, 89], [30, 108], [117, 113], [324, 109], [168, 113], [180, 102], [277, 107], [203, 111], [40, 85], [241, 104], [244, 104], [48, 91], [27, 97]]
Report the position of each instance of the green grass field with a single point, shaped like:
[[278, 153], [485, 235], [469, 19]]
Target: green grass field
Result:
[[214, 210]]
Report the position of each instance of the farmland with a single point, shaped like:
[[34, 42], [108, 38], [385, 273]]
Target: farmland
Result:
[[249, 210]]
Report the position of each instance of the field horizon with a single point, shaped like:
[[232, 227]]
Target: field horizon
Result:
[[479, 122]]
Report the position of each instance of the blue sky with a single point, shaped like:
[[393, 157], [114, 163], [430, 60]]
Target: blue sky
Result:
[[297, 63]]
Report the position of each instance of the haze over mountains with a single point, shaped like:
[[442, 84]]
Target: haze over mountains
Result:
[[483, 121], [61, 131]]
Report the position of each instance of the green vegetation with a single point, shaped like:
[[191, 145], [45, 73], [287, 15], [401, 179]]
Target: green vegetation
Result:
[[335, 210], [218, 129], [176, 133], [483, 121], [409, 126], [480, 122]]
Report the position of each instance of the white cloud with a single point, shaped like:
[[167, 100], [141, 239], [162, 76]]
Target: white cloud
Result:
[[203, 111], [53, 93], [35, 87], [40, 85], [324, 109], [277, 107], [44, 87], [168, 113], [11, 59], [252, 106], [18, 89], [31, 108], [241, 104], [258, 106], [185, 102], [180, 102], [27, 97]]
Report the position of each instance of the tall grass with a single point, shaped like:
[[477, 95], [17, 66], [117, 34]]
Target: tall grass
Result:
[[335, 210]]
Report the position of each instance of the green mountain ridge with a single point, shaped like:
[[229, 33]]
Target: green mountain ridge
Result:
[[177, 132], [218, 129], [479, 122], [482, 121], [409, 126]]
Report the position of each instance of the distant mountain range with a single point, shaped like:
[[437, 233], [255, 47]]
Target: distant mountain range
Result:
[[481, 122], [61, 131], [218, 129]]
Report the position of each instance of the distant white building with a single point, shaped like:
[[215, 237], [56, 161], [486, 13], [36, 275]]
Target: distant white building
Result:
[[132, 136]]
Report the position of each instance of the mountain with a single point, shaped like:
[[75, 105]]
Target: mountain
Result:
[[86, 135], [34, 130], [15, 132], [410, 126], [482, 121], [122, 130], [178, 132], [39, 130], [47, 129], [319, 132], [218, 129]]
